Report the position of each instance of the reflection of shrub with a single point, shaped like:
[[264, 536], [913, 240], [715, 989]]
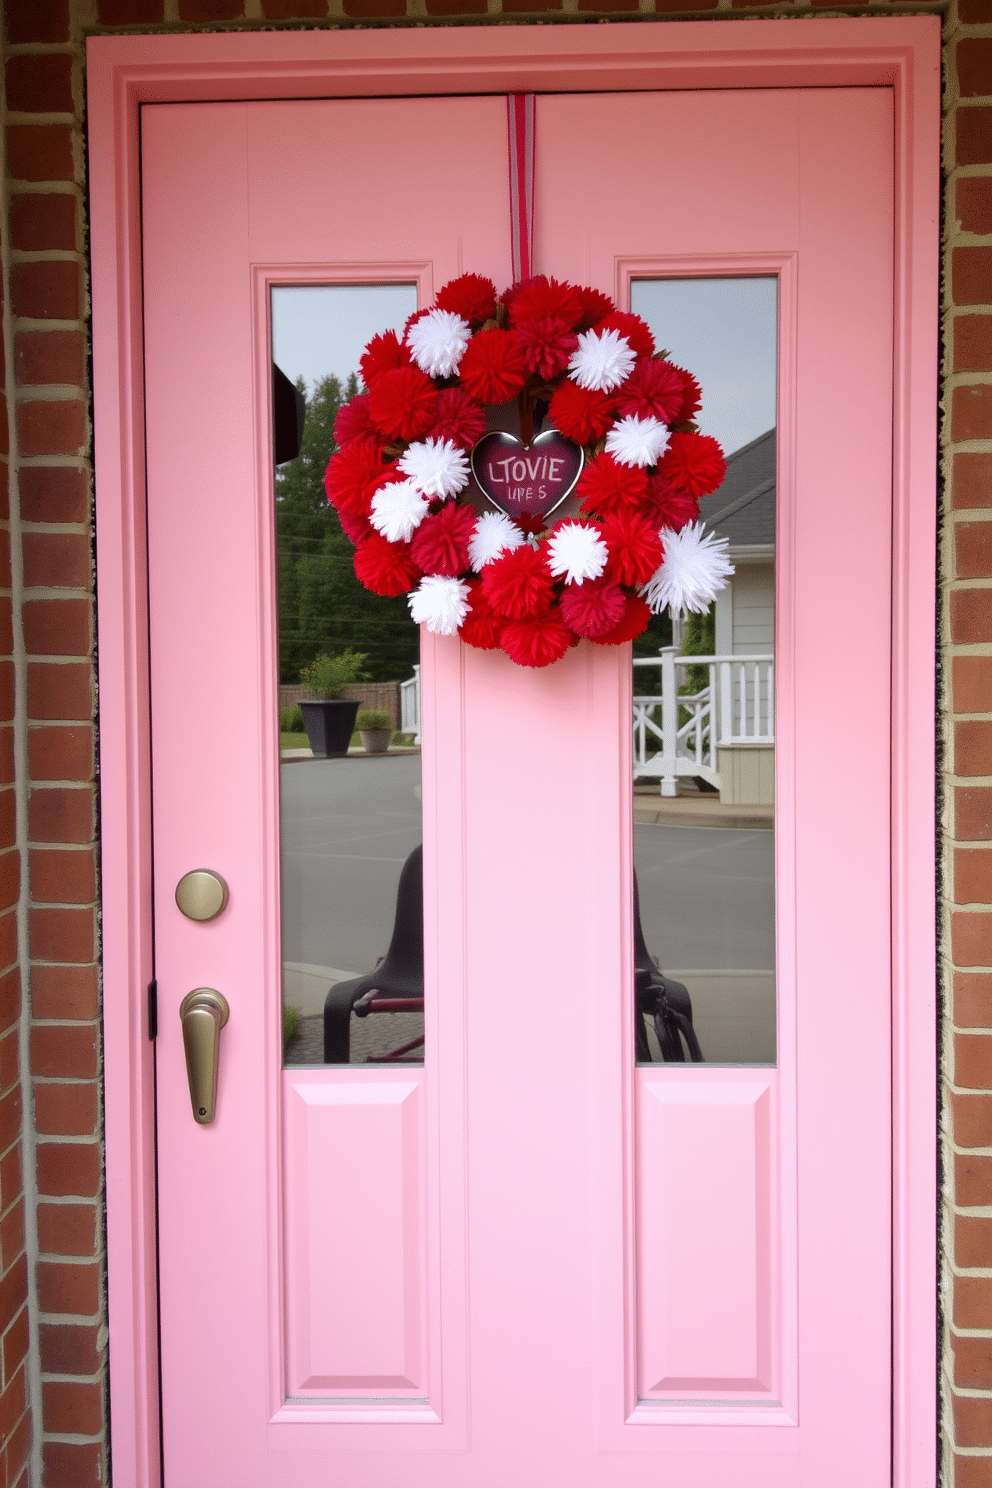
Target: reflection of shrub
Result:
[[328, 676], [372, 718], [291, 720], [292, 1017]]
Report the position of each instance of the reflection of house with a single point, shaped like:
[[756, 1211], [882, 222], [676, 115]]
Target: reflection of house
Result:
[[743, 511], [725, 733]]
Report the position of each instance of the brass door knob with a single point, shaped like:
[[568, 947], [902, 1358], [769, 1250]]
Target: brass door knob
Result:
[[204, 1013], [201, 894]]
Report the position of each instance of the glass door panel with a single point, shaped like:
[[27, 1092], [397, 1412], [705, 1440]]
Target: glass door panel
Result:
[[350, 815], [704, 709]]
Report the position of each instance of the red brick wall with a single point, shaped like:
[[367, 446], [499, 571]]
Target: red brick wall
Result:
[[15, 1416], [50, 498], [50, 487], [967, 729]]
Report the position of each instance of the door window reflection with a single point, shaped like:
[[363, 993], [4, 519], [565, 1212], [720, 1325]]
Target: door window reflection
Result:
[[350, 814], [704, 712]]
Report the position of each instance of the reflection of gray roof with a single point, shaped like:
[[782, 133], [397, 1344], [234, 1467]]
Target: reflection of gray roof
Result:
[[743, 508]]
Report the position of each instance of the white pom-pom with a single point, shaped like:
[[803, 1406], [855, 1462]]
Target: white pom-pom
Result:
[[440, 603], [576, 553], [637, 441], [438, 341], [436, 466], [603, 360], [494, 534], [693, 571], [398, 510]]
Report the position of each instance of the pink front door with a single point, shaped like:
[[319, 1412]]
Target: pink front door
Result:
[[550, 1268]]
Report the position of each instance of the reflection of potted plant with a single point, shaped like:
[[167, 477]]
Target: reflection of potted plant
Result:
[[376, 730], [328, 717]]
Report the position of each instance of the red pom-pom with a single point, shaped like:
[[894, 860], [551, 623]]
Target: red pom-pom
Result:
[[383, 354], [636, 331], [403, 403], [384, 567], [509, 295], [655, 389], [607, 486], [592, 608], [541, 298], [667, 506], [693, 400], [582, 414], [547, 346], [636, 619], [536, 642], [470, 296], [355, 526], [458, 419], [595, 307], [635, 548], [440, 543], [492, 369], [518, 584], [352, 421], [694, 463], [482, 627], [350, 473]]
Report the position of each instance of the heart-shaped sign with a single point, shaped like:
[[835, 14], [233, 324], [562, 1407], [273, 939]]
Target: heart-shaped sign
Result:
[[527, 479]]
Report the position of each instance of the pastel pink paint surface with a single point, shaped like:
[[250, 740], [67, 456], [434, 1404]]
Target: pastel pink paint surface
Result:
[[528, 1160]]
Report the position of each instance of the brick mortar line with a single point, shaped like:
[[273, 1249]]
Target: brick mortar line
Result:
[[59, 1377], [50, 392], [54, 323], [72, 1438], [37, 593], [23, 118], [53, 529], [55, 462], [47, 255]]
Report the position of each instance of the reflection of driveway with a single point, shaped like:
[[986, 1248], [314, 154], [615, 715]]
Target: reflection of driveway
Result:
[[707, 896], [347, 828]]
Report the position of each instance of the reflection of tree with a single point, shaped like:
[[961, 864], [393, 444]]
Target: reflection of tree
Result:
[[657, 634], [698, 639], [322, 606]]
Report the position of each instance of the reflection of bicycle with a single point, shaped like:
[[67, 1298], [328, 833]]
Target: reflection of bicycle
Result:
[[665, 1002], [396, 985]]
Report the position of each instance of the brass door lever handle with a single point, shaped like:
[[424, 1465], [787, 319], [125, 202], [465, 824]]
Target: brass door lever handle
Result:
[[204, 1013]]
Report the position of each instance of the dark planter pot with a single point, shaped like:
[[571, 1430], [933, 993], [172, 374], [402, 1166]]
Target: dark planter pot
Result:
[[330, 723]]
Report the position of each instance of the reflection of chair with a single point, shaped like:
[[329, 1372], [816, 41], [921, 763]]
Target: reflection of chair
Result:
[[666, 1002], [397, 983]]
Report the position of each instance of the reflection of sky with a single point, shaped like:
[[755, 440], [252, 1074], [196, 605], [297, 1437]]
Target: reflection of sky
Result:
[[319, 329], [723, 330]]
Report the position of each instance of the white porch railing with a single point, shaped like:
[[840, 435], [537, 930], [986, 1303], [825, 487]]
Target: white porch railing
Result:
[[736, 707], [410, 705]]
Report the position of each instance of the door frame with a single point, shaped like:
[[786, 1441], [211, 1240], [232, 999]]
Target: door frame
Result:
[[125, 72]]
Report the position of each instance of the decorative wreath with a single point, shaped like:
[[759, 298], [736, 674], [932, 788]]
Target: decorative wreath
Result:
[[460, 518]]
